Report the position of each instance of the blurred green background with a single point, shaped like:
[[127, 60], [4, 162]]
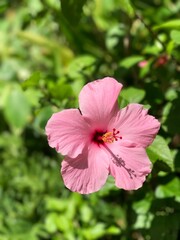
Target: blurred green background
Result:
[[48, 50]]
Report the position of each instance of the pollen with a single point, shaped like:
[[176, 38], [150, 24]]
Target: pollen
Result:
[[110, 137]]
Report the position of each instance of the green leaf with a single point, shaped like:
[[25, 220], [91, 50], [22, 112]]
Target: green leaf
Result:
[[33, 96], [32, 81], [143, 206], [172, 24], [82, 66], [36, 38], [143, 221], [17, 108], [56, 204], [113, 230], [126, 6], [3, 6], [175, 36], [94, 232], [130, 61], [60, 90], [50, 222], [160, 151], [133, 95], [72, 10], [86, 213], [115, 36], [105, 190], [171, 189], [42, 117], [63, 223], [171, 94], [159, 229]]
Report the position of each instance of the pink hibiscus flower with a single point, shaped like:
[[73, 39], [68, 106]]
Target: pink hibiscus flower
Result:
[[100, 140]]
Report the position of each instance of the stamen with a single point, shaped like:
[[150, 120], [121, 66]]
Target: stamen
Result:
[[110, 137]]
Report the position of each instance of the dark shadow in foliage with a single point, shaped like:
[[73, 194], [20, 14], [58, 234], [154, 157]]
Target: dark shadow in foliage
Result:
[[72, 10], [153, 93], [177, 162], [173, 118], [165, 224], [32, 139]]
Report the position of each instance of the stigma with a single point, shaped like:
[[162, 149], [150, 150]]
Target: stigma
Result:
[[110, 137]]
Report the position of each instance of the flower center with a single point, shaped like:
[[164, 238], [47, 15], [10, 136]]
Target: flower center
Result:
[[110, 137], [106, 137]]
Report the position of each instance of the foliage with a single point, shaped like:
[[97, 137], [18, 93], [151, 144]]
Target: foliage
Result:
[[49, 49]]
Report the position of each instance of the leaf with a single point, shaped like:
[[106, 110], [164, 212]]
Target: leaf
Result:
[[126, 6], [130, 61], [171, 94], [55, 204], [110, 185], [50, 222], [63, 223], [133, 95], [32, 81], [86, 213], [33, 96], [17, 108], [143, 206], [3, 6], [172, 24], [81, 66], [115, 36], [160, 151], [60, 90], [37, 39], [113, 230], [42, 117], [94, 232], [72, 10], [171, 189], [175, 36]]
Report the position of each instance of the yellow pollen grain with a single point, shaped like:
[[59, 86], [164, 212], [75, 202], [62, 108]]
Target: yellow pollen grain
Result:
[[108, 137]]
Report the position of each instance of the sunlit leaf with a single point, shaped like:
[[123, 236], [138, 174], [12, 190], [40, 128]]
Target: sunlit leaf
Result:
[[133, 95], [50, 222], [170, 189], [172, 24], [126, 6], [32, 81], [17, 108], [82, 66], [160, 150], [175, 36], [114, 35], [94, 232], [130, 61], [86, 213]]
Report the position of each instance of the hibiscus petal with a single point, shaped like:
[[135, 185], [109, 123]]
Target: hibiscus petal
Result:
[[129, 166], [136, 125], [68, 132], [88, 172], [98, 100]]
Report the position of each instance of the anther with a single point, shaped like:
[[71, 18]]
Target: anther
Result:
[[110, 137]]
